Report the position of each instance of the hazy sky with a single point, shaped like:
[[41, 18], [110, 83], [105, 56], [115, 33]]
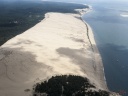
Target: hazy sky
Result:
[[78, 1], [88, 0], [85, 0]]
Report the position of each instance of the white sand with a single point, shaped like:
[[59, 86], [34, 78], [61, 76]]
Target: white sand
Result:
[[57, 45]]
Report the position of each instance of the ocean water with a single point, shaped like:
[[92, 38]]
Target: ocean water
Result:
[[109, 22]]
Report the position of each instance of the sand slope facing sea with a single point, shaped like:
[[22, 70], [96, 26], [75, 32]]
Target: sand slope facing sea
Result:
[[58, 45]]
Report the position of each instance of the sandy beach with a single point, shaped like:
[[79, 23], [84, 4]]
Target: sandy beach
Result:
[[60, 44]]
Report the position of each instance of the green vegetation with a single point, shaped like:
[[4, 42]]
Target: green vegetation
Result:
[[67, 86], [18, 16]]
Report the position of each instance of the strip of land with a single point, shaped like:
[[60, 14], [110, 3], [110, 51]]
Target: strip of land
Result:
[[60, 44]]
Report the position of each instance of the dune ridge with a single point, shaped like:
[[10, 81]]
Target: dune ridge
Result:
[[58, 45]]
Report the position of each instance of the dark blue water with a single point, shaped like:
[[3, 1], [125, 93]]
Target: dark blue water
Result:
[[111, 34]]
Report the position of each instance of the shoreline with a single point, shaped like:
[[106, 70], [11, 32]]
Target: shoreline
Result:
[[44, 52], [94, 47], [97, 55]]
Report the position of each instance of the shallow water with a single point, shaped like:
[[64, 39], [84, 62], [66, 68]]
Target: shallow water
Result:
[[111, 34]]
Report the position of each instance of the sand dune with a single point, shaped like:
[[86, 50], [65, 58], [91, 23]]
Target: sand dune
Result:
[[57, 45]]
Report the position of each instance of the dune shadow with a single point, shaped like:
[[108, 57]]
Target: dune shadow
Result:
[[77, 39], [23, 42], [21, 66], [78, 17], [77, 56], [26, 42]]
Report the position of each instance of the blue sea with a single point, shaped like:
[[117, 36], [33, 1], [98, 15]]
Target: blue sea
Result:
[[109, 22]]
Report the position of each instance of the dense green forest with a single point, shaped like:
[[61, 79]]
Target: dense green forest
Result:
[[18, 16], [67, 86]]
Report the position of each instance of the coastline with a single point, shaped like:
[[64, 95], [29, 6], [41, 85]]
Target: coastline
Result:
[[98, 62], [55, 44]]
